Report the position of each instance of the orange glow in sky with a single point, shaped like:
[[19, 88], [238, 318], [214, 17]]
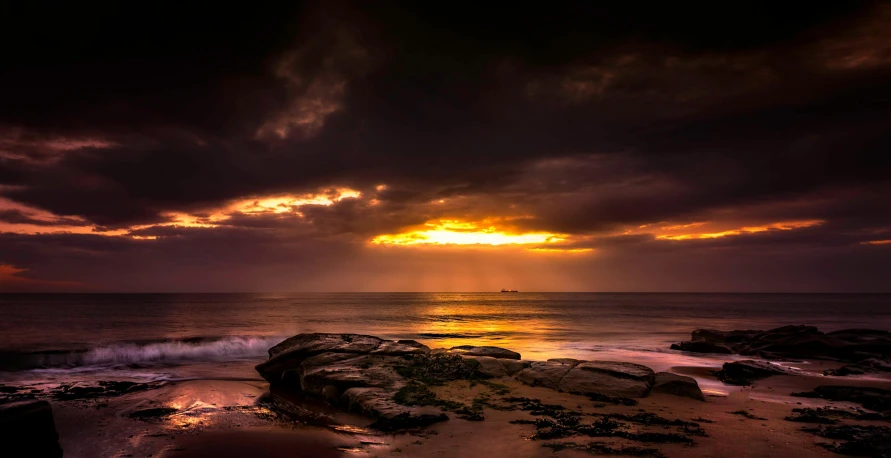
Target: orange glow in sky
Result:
[[457, 232], [281, 203], [781, 226], [288, 202]]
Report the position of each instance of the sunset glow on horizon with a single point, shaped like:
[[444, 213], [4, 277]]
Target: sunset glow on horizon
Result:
[[457, 232]]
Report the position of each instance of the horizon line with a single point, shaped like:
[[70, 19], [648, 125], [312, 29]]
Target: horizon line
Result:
[[441, 292]]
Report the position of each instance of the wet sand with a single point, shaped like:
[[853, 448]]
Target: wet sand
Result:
[[221, 418]]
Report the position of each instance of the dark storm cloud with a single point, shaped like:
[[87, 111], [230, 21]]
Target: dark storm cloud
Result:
[[579, 118]]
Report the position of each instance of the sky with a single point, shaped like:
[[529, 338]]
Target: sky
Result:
[[458, 146]]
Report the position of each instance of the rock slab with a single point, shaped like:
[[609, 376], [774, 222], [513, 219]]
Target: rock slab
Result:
[[610, 378]]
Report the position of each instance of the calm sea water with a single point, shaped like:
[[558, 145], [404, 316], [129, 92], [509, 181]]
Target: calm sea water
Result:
[[167, 336]]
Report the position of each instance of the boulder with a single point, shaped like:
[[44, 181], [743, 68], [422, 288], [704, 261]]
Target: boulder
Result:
[[490, 366], [610, 378], [546, 373], [746, 371], [513, 366], [495, 352], [290, 353], [678, 385], [27, 428]]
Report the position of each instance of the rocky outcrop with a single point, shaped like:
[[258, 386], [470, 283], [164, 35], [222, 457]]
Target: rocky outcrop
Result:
[[678, 385], [27, 428], [389, 380], [792, 342], [746, 371], [364, 373]]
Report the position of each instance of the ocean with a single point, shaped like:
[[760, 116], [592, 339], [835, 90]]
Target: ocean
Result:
[[49, 339]]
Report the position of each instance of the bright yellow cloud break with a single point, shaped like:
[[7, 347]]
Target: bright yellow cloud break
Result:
[[457, 232]]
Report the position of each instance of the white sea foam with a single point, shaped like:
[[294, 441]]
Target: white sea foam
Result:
[[173, 352]]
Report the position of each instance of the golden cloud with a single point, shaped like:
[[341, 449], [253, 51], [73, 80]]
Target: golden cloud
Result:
[[779, 226], [459, 232]]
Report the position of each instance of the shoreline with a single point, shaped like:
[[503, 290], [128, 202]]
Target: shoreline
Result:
[[217, 417], [236, 425]]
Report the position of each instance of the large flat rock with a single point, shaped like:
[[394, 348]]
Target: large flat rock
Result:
[[546, 373], [609, 378]]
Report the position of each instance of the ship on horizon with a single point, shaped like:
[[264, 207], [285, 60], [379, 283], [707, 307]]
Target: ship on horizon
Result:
[[509, 290]]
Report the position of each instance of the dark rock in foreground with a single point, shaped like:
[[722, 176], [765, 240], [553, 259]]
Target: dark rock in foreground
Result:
[[27, 427], [387, 380], [792, 342]]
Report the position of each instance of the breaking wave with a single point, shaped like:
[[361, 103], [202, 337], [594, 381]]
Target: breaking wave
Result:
[[170, 352]]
